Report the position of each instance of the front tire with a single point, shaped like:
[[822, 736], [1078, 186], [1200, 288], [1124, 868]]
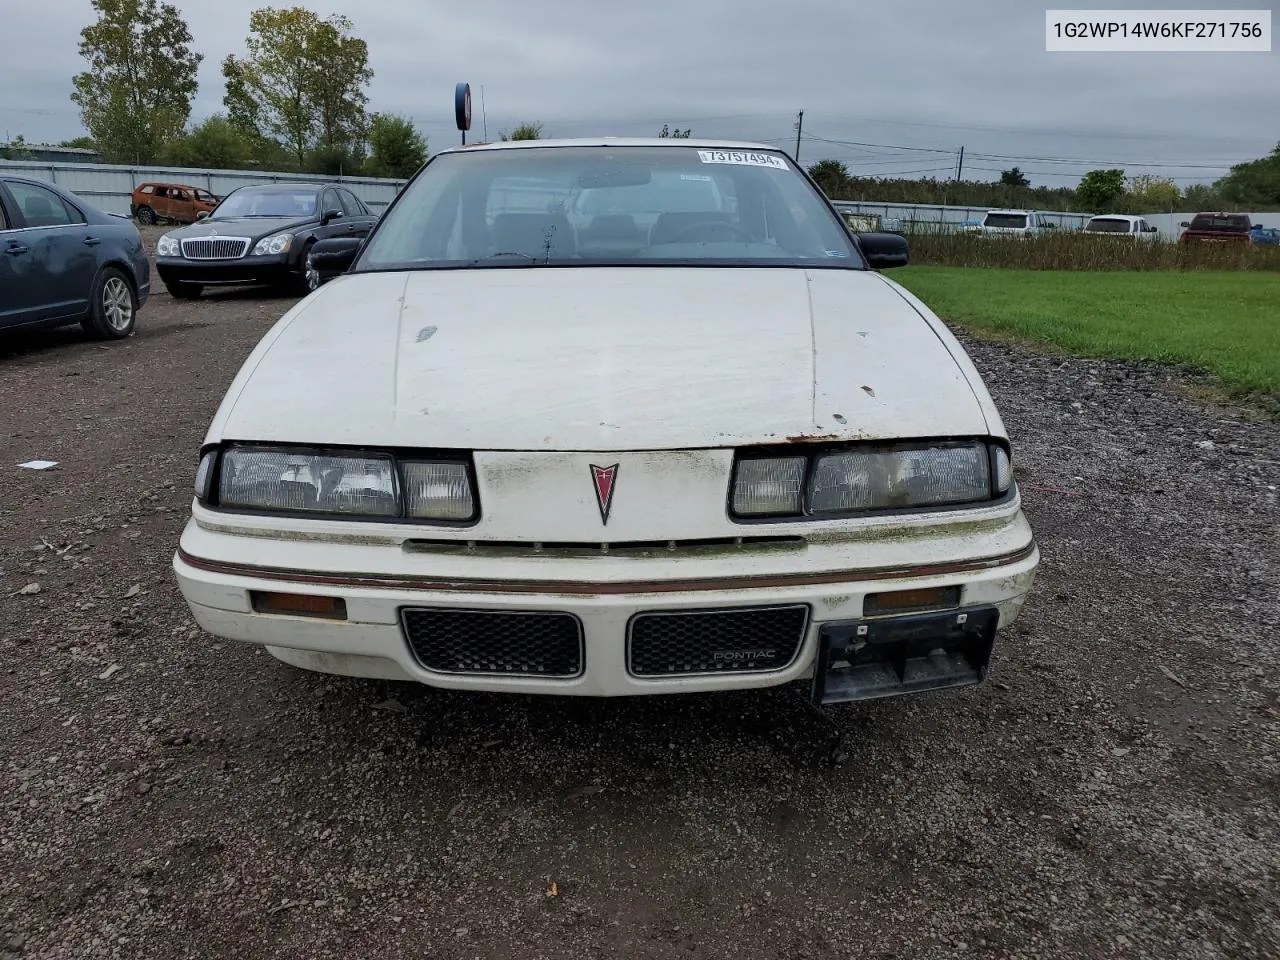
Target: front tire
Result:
[[183, 291], [146, 216], [113, 306], [307, 280]]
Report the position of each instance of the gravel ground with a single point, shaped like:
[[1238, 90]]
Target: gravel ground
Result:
[[1113, 791]]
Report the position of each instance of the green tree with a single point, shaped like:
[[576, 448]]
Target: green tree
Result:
[[1100, 189], [136, 95], [677, 133], [397, 149], [831, 176], [1014, 178], [79, 143], [1202, 196], [526, 131], [216, 143], [1150, 194], [302, 83], [1253, 184]]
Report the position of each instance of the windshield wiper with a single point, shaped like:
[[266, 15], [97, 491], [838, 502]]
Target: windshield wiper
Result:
[[504, 253]]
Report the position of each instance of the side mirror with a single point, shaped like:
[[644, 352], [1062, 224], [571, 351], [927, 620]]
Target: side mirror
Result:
[[201, 214], [1184, 223], [330, 216], [884, 250], [1151, 229], [328, 258]]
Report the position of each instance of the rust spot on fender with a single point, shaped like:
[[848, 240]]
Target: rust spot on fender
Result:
[[814, 438]]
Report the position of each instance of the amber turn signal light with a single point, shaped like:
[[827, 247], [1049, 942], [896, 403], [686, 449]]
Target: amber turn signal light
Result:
[[910, 601], [299, 605]]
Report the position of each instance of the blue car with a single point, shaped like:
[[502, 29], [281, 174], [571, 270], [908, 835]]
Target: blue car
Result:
[[1265, 235], [63, 261]]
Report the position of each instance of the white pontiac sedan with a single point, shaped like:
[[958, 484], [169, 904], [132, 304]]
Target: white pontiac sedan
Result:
[[611, 417]]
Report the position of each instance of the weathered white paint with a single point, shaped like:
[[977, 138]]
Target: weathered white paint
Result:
[[601, 358], [542, 372]]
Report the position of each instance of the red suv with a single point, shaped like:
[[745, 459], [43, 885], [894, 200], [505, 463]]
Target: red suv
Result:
[[1217, 228]]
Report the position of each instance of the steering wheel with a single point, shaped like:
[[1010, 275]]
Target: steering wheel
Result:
[[714, 224]]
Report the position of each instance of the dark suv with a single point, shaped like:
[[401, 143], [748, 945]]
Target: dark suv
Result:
[[1216, 228]]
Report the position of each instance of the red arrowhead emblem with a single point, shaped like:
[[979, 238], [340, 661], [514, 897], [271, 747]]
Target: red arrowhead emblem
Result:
[[603, 478]]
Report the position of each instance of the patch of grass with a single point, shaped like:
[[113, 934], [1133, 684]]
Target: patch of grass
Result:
[[1227, 324]]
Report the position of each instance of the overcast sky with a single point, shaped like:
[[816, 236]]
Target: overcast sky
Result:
[[924, 74]]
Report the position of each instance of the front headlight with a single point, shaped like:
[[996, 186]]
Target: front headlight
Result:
[[336, 483], [168, 246], [307, 483], [919, 477], [869, 478], [269, 246]]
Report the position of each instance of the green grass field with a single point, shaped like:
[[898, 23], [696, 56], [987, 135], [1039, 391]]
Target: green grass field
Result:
[[1225, 323]]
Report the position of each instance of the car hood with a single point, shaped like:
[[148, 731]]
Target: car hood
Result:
[[252, 227], [602, 358]]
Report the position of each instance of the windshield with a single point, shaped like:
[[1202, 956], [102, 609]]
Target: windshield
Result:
[[268, 202], [1014, 221], [1229, 223], [1107, 225], [590, 205]]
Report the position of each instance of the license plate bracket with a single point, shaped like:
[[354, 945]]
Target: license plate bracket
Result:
[[892, 656]]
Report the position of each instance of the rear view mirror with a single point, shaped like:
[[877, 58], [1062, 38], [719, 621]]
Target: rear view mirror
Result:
[[332, 257], [884, 250]]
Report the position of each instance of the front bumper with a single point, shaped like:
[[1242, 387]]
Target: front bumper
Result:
[[218, 570], [243, 271]]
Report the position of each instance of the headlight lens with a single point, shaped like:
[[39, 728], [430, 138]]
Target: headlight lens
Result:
[[167, 246], [287, 480], [896, 477], [919, 477], [308, 483], [769, 486], [438, 491], [269, 246]]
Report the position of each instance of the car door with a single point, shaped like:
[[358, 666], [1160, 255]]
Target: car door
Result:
[[17, 298], [358, 215], [334, 228], [160, 202], [62, 250], [181, 208]]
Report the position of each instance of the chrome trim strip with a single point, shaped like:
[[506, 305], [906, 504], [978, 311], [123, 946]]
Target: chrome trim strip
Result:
[[589, 588]]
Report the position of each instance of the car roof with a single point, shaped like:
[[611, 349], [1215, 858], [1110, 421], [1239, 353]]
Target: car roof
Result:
[[1114, 216], [166, 183], [291, 185], [617, 142], [1010, 211]]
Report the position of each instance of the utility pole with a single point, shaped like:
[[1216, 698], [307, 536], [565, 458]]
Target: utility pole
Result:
[[960, 164], [799, 128]]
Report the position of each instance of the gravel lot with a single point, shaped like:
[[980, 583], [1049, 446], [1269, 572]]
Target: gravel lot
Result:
[[1113, 791]]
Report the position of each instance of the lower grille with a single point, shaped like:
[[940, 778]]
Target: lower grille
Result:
[[742, 640], [507, 642], [215, 248]]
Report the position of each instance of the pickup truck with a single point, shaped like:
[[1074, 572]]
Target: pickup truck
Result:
[[1216, 228]]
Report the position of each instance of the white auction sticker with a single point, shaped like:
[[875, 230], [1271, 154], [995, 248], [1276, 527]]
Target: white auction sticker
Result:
[[1157, 31], [743, 157]]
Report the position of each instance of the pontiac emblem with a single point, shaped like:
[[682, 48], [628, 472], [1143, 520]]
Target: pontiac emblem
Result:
[[603, 478]]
